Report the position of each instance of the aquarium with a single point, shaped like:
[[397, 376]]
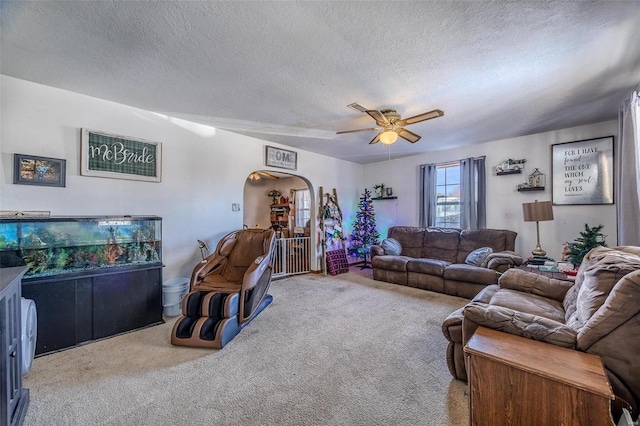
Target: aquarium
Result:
[[64, 245]]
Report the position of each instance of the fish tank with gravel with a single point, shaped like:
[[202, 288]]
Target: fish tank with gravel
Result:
[[65, 245]]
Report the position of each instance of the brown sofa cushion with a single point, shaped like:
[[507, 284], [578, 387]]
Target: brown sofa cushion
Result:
[[529, 303], [599, 280], [441, 244], [470, 273], [599, 273], [391, 263], [427, 266], [410, 239], [520, 324], [530, 282]]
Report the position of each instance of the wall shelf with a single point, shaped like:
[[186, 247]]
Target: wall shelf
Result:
[[385, 198], [509, 172], [533, 188]]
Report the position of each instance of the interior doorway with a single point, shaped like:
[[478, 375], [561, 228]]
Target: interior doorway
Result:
[[286, 203]]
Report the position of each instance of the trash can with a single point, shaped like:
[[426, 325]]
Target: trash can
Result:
[[172, 293]]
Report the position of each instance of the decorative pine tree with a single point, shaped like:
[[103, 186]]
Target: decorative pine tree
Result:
[[588, 239], [364, 233]]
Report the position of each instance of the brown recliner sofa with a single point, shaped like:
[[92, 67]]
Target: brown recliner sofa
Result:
[[434, 258], [598, 314]]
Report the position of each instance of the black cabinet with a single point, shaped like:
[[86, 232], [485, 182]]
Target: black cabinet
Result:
[[74, 310], [14, 399]]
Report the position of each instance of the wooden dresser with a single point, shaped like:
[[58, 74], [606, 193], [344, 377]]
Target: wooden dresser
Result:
[[519, 381]]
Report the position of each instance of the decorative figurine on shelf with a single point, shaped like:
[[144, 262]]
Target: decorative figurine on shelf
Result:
[[389, 191], [379, 189], [274, 194], [510, 165], [537, 179]]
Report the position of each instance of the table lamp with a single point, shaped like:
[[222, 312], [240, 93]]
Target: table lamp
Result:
[[537, 212]]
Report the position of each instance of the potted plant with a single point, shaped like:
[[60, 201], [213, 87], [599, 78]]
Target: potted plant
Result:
[[590, 238]]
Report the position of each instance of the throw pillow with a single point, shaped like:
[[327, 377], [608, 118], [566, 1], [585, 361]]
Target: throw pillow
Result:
[[478, 256], [391, 246]]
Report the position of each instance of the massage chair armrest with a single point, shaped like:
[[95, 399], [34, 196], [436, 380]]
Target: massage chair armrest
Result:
[[530, 282], [517, 323], [205, 267], [255, 271], [502, 260]]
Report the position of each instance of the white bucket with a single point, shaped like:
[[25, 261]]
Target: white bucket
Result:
[[172, 293], [29, 333]]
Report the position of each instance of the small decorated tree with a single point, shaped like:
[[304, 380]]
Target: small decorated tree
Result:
[[364, 233], [588, 239]]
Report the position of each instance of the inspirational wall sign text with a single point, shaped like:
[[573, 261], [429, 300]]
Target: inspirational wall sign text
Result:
[[583, 172], [120, 157]]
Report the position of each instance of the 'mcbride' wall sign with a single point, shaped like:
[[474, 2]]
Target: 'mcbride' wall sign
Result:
[[583, 172], [120, 157]]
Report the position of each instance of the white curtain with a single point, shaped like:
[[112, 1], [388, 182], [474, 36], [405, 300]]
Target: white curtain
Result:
[[628, 172], [303, 206]]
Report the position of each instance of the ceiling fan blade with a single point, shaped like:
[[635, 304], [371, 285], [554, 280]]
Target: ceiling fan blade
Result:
[[408, 135], [375, 140], [358, 130], [357, 107], [421, 117], [381, 120], [268, 175]]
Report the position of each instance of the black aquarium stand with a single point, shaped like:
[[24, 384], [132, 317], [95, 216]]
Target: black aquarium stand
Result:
[[90, 306]]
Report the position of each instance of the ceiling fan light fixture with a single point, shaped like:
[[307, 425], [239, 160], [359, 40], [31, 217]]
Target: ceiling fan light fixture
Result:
[[388, 137]]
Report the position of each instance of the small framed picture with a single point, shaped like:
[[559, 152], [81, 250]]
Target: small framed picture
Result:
[[42, 171]]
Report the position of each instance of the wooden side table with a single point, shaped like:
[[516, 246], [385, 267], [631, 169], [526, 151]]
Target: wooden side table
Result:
[[519, 381]]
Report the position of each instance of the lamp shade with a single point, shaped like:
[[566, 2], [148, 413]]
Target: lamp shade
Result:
[[537, 211], [388, 137]]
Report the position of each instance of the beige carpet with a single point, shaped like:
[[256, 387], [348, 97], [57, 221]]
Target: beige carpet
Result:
[[342, 350]]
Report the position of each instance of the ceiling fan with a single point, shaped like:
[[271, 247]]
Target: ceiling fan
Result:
[[260, 175], [391, 125]]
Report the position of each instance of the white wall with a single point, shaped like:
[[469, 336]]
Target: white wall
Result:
[[204, 169], [504, 202]]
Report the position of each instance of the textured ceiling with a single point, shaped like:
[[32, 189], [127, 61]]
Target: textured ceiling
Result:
[[286, 71]]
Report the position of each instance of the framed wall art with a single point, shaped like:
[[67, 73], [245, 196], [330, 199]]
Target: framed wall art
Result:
[[120, 157], [583, 172], [42, 171], [282, 158]]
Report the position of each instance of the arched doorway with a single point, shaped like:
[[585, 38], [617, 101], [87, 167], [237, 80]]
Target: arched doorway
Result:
[[287, 203]]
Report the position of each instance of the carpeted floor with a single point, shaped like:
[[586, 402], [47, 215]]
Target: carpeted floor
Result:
[[342, 350]]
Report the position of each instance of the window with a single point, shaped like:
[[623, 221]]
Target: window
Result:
[[448, 195], [303, 207], [453, 195]]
